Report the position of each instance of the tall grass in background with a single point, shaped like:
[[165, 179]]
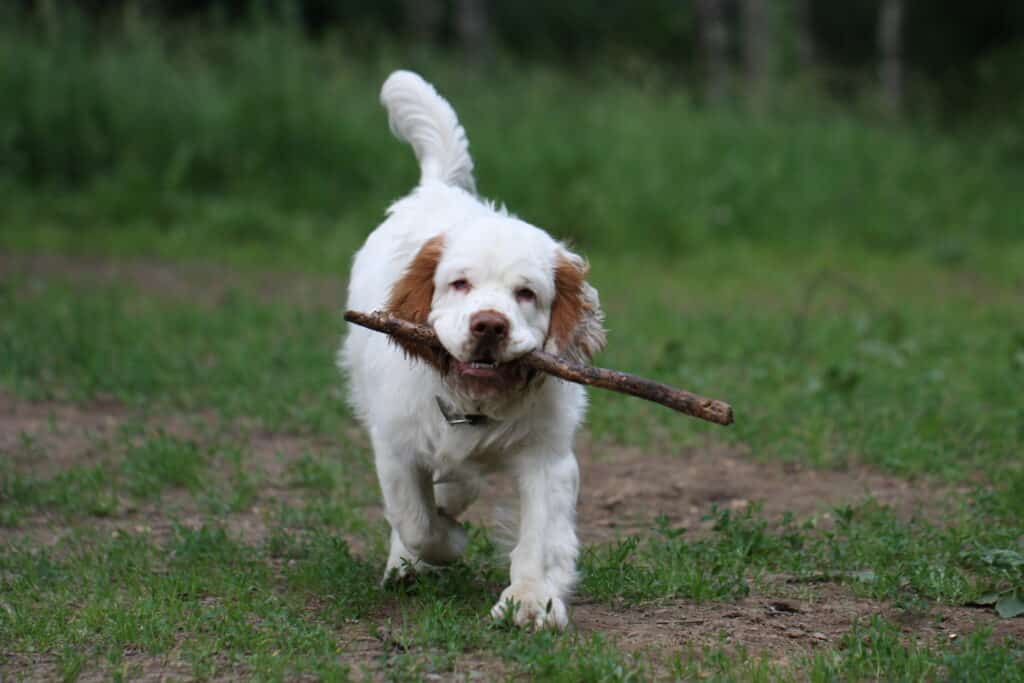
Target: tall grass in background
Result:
[[257, 134]]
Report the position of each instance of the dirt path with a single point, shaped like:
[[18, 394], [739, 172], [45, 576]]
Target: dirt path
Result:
[[196, 283], [43, 439], [782, 621], [622, 489]]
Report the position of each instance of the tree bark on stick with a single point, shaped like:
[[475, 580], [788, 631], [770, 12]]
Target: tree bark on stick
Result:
[[679, 400]]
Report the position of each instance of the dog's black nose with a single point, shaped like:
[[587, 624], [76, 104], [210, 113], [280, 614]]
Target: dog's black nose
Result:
[[488, 324]]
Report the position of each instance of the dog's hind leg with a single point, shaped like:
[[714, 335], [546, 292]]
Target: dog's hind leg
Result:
[[454, 495]]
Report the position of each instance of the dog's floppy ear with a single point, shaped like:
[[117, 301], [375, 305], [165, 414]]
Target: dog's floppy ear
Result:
[[413, 293], [576, 330]]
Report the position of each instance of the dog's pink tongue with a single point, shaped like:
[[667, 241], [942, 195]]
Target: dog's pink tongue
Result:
[[472, 370]]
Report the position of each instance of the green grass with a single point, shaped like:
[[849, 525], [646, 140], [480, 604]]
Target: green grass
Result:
[[146, 352], [101, 599], [256, 139], [870, 548], [81, 490], [872, 650], [853, 290], [276, 608]]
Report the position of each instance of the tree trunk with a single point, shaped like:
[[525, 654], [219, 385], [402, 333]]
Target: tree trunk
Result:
[[890, 48], [423, 18], [757, 49], [473, 30], [714, 39], [803, 34]]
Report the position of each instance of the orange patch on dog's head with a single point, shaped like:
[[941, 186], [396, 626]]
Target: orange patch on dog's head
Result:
[[413, 294], [567, 307], [576, 318]]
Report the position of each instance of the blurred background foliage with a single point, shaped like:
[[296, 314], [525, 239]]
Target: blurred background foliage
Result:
[[654, 126], [955, 55]]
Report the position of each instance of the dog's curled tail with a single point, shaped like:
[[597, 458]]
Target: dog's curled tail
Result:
[[426, 121]]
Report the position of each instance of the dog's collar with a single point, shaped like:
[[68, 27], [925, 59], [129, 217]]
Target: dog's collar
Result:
[[453, 417]]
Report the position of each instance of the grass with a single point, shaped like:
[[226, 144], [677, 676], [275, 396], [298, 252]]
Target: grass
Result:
[[256, 139], [870, 548], [852, 289], [277, 608], [108, 342]]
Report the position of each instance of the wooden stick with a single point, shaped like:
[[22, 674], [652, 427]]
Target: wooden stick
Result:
[[685, 402]]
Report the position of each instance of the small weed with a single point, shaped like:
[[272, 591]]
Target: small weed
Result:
[[668, 566], [160, 462], [242, 488], [312, 472], [876, 650], [78, 490]]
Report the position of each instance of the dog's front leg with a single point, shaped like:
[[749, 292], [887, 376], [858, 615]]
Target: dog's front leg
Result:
[[419, 532], [544, 560]]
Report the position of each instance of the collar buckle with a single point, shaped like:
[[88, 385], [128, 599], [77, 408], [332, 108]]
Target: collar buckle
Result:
[[452, 417]]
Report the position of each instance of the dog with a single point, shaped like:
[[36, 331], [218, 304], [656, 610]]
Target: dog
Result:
[[494, 288]]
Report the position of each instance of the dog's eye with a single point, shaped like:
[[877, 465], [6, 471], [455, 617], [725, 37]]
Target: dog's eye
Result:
[[525, 295], [460, 285]]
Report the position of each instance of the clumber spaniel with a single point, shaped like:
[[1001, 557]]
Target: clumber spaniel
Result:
[[494, 288]]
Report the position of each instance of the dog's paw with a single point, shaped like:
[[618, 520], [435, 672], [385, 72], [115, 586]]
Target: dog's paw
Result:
[[529, 604], [455, 538], [439, 543], [401, 572]]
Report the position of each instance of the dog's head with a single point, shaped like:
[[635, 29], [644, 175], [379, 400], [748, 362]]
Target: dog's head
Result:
[[495, 290]]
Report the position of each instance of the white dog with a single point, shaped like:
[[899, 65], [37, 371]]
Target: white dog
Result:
[[494, 288]]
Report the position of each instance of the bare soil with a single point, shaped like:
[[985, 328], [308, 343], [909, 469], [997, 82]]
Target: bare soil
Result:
[[624, 489], [42, 439], [196, 283], [780, 620]]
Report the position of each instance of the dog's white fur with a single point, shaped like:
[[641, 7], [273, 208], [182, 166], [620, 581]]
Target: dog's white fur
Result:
[[458, 255]]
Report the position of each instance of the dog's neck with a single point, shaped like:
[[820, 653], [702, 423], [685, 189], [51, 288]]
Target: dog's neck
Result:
[[453, 417], [462, 409]]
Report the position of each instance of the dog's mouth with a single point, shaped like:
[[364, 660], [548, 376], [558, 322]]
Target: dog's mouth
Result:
[[478, 369], [483, 373], [483, 364]]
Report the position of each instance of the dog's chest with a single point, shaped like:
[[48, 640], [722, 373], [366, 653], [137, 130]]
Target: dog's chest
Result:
[[483, 447]]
